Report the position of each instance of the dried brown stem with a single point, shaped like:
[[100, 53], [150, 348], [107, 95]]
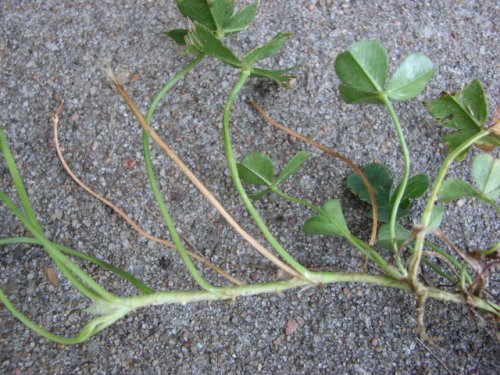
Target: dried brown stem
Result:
[[123, 215], [194, 180], [359, 172]]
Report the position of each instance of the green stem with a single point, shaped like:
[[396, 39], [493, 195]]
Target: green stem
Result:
[[373, 255], [168, 86], [406, 174], [426, 215], [184, 297], [18, 183], [231, 163], [154, 183], [69, 251], [69, 269]]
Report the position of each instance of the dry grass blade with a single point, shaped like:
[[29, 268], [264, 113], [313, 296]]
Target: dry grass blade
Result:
[[123, 215], [355, 169], [194, 180]]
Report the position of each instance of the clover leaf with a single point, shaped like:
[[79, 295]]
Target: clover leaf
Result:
[[363, 72], [258, 169], [466, 111]]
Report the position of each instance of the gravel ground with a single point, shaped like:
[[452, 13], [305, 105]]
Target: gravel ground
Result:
[[50, 48]]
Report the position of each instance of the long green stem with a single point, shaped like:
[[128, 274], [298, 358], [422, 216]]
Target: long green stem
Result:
[[154, 183], [184, 297], [406, 173], [231, 162], [426, 215]]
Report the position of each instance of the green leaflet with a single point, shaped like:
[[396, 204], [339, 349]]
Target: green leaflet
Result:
[[256, 169], [269, 49], [410, 78], [486, 173], [202, 40], [330, 223]]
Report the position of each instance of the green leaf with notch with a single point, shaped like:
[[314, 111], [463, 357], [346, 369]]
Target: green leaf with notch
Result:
[[256, 169], [486, 173], [201, 39], [178, 36], [291, 167], [363, 72], [331, 223], [410, 78], [269, 49], [384, 237], [465, 111], [241, 20]]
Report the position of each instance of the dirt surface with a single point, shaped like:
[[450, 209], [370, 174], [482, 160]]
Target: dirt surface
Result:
[[52, 49]]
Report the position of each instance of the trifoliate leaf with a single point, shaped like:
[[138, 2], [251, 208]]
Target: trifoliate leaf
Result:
[[331, 223], [292, 166], [257, 169], [269, 49], [363, 71], [178, 35], [466, 112], [410, 78]]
